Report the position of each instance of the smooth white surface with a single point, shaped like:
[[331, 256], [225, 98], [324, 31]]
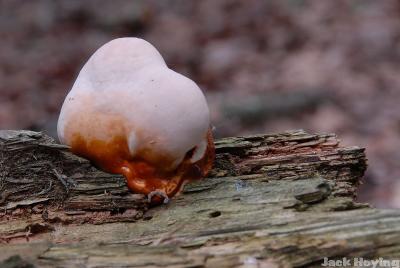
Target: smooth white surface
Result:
[[126, 88]]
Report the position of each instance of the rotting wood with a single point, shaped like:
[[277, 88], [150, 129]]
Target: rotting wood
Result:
[[277, 200]]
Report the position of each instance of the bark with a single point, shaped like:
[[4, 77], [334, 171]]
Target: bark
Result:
[[278, 200]]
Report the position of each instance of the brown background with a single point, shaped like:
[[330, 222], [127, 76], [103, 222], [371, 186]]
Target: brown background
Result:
[[265, 66]]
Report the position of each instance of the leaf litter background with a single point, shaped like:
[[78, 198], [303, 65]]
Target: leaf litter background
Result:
[[265, 66]]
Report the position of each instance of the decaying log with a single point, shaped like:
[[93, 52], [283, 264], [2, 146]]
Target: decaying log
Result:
[[278, 200]]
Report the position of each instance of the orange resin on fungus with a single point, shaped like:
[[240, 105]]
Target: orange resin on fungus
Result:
[[144, 176]]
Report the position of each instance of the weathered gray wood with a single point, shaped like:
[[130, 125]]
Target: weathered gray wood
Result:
[[40, 177], [271, 201]]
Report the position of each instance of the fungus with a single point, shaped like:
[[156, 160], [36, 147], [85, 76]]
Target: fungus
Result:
[[130, 114]]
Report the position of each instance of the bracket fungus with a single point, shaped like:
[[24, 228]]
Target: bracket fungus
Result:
[[130, 114]]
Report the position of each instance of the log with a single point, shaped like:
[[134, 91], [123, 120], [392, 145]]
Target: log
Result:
[[272, 200]]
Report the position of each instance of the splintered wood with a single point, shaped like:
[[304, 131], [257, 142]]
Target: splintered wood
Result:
[[278, 200]]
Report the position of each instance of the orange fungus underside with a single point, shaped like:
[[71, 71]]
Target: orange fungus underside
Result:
[[142, 176]]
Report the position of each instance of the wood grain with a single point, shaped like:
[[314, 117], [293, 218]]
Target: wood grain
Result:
[[278, 200]]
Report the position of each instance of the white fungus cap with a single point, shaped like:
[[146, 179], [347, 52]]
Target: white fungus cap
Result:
[[126, 89]]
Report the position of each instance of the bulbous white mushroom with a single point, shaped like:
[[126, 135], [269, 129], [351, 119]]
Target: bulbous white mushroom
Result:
[[126, 96]]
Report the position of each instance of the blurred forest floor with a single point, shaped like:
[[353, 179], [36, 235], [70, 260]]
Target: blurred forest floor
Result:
[[265, 66]]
